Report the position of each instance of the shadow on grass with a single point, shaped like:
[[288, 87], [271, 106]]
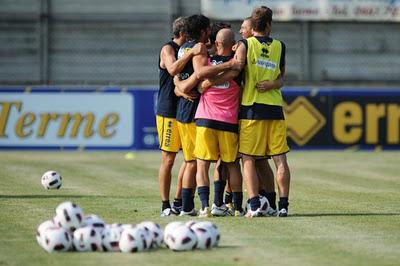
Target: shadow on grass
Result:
[[56, 196], [345, 214], [228, 246]]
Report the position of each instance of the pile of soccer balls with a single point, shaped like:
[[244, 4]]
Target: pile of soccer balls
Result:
[[71, 230]]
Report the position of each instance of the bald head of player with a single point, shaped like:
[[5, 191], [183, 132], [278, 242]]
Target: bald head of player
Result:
[[224, 41]]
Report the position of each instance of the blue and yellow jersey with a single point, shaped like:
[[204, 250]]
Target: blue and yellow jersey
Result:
[[186, 109], [167, 101], [265, 60]]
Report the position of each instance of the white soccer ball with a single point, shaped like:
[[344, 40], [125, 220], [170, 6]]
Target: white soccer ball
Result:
[[204, 235], [132, 240], [264, 204], [169, 229], [111, 236], [56, 239], [190, 223], [156, 233], [213, 229], [182, 238], [94, 221], [69, 216], [51, 180], [42, 228], [87, 239]]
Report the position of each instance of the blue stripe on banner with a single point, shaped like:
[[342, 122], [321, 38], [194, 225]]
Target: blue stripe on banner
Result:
[[144, 128]]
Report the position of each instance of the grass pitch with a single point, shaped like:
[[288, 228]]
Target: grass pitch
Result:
[[344, 210]]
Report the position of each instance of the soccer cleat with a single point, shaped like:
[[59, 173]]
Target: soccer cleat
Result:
[[176, 210], [256, 213], [205, 212], [239, 213], [282, 213], [220, 211], [191, 213], [271, 212], [230, 206], [166, 212]]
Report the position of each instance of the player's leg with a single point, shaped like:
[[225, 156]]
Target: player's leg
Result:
[[219, 186], [206, 150], [277, 148], [169, 145], [164, 177], [203, 187], [177, 204], [228, 143], [253, 143], [283, 181], [228, 200], [188, 187], [187, 132], [251, 181], [267, 184], [221, 173], [236, 181]]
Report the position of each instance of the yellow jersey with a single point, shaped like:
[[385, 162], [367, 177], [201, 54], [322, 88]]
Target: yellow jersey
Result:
[[263, 63]]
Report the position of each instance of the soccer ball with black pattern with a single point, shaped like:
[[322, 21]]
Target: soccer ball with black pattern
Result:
[[56, 239], [87, 239], [182, 238], [133, 240], [213, 229], [204, 235], [264, 205], [69, 216], [94, 221], [155, 231], [111, 236], [169, 229], [40, 232], [51, 180]]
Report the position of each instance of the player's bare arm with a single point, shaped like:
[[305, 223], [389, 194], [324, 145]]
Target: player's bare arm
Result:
[[173, 65], [187, 85], [188, 96], [217, 80], [240, 57], [210, 71]]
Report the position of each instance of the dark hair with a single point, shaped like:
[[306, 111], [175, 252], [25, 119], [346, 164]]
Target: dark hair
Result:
[[215, 28], [260, 17], [194, 25], [178, 26]]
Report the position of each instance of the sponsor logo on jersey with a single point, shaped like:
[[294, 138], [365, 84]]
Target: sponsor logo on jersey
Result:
[[266, 64]]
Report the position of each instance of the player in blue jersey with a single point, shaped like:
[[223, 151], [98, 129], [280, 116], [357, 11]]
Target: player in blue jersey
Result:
[[168, 134], [197, 32]]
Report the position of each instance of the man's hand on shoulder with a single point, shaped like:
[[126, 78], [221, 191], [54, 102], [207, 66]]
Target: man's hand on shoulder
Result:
[[199, 49]]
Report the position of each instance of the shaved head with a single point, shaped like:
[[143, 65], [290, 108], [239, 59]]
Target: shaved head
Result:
[[226, 37]]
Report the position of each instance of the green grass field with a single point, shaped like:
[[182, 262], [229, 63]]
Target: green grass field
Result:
[[344, 210]]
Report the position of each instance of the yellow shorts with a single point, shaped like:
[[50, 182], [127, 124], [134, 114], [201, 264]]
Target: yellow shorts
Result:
[[187, 131], [262, 137], [212, 144], [168, 134]]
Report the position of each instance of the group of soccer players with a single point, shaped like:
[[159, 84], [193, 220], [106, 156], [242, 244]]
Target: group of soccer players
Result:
[[220, 101]]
